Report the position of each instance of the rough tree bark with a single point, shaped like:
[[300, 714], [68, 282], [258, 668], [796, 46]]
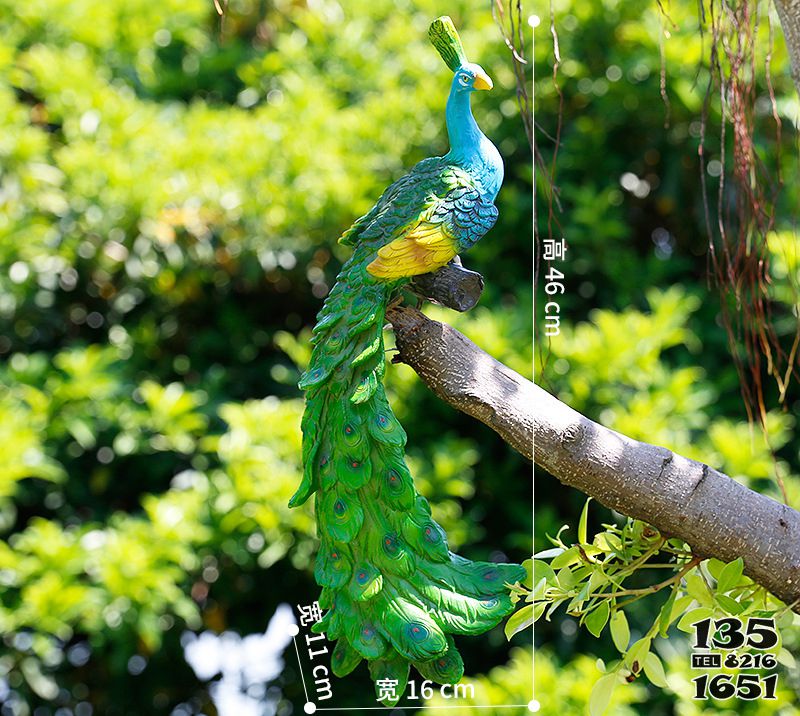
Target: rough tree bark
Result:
[[682, 498], [789, 14], [466, 377], [453, 286]]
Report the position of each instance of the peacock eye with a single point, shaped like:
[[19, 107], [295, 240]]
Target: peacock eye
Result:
[[463, 79]]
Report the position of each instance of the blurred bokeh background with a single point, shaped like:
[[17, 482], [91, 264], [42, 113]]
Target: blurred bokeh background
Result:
[[171, 189], [642, 347]]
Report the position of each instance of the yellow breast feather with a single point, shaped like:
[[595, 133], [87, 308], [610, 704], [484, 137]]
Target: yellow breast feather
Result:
[[425, 248]]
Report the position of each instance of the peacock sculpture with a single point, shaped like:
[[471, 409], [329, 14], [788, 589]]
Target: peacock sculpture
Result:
[[393, 592]]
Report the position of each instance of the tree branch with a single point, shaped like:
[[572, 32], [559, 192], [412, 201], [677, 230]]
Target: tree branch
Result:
[[466, 377], [789, 14], [452, 286], [680, 497]]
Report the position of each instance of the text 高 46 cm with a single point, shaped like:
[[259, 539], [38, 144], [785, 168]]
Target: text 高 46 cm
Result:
[[553, 287]]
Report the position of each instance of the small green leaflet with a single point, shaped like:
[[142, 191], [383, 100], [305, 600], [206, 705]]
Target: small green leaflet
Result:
[[695, 615], [654, 670], [519, 621], [620, 632], [601, 694], [730, 575], [597, 618], [582, 522], [729, 604]]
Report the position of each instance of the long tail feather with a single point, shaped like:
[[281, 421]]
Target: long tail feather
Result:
[[392, 589]]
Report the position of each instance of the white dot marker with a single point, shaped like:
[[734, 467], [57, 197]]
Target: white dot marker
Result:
[[310, 707], [533, 706], [294, 630]]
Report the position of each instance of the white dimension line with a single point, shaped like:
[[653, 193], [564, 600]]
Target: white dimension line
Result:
[[533, 367], [300, 667], [400, 706]]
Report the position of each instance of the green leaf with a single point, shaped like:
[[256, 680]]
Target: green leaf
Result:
[[598, 579], [680, 606], [528, 565], [698, 589], [601, 666], [620, 632], [519, 621], [715, 567], [538, 610], [607, 542], [730, 575], [538, 590], [549, 553], [576, 605], [786, 658], [692, 616], [566, 578], [80, 430], [666, 612], [601, 694], [638, 652], [729, 604], [553, 606], [785, 619], [597, 618], [654, 670], [542, 570], [582, 523], [566, 558]]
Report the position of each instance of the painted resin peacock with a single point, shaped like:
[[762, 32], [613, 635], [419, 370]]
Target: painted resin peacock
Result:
[[393, 591]]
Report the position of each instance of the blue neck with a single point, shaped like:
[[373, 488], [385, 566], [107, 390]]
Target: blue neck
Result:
[[469, 147], [462, 130]]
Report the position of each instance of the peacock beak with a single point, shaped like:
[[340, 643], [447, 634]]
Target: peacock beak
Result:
[[482, 81]]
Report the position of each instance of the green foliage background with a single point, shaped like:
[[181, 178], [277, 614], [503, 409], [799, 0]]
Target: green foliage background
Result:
[[170, 195]]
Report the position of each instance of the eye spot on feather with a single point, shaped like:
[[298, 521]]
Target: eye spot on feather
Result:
[[390, 544], [339, 507], [355, 464], [442, 663], [393, 480], [418, 632], [489, 603], [348, 430], [367, 632], [489, 575], [432, 535]]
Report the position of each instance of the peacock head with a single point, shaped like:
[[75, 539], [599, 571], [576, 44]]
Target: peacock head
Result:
[[467, 75], [470, 77]]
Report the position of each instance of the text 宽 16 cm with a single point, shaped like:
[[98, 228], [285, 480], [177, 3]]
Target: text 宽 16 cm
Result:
[[552, 310], [447, 691]]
